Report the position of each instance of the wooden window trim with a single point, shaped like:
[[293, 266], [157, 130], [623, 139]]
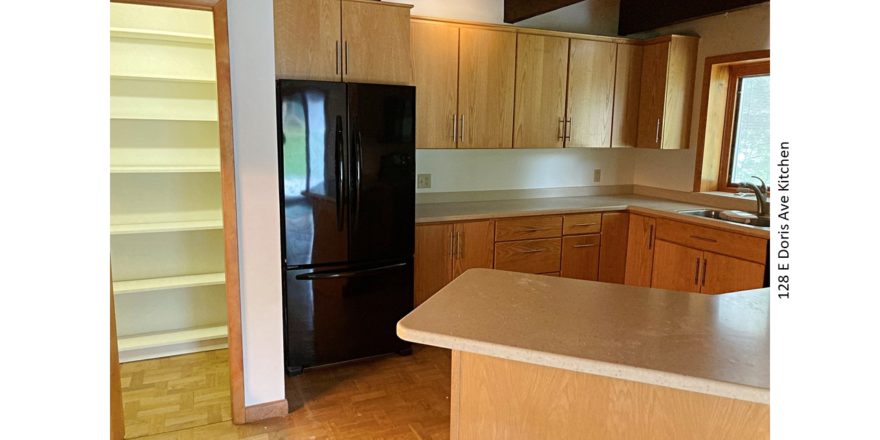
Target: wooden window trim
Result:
[[735, 73], [711, 135]]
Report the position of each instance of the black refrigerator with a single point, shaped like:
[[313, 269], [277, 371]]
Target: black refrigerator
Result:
[[347, 173]]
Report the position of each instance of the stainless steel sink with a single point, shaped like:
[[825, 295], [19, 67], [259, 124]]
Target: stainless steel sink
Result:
[[730, 217]]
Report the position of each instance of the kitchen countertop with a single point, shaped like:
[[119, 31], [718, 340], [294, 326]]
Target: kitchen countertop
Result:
[[479, 210], [711, 344]]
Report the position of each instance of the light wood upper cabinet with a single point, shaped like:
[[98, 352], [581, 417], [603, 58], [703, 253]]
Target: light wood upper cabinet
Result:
[[435, 65], [350, 40], [640, 250], [376, 42], [676, 267], [666, 96], [487, 61], [722, 274], [308, 39], [590, 93], [541, 63], [627, 81]]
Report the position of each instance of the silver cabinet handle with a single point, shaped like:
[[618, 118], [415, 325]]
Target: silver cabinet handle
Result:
[[454, 133], [530, 251], [338, 57], [697, 273], [452, 245], [568, 129], [704, 272], [651, 238], [461, 128], [710, 240], [559, 126], [657, 135], [585, 224], [346, 57], [584, 245], [459, 244], [533, 229]]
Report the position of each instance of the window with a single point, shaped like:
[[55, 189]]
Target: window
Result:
[[747, 126], [734, 136]]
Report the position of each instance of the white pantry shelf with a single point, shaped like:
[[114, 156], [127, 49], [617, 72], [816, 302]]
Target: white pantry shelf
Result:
[[152, 34], [167, 283], [149, 169], [171, 343], [149, 228], [149, 117], [172, 78]]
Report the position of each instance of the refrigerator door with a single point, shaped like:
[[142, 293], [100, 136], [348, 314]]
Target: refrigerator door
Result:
[[312, 169], [343, 313], [381, 146]]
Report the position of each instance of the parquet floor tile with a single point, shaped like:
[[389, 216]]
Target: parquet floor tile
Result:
[[386, 398]]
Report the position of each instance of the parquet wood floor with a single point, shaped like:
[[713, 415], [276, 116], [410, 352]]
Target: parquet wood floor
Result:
[[392, 397], [174, 393]]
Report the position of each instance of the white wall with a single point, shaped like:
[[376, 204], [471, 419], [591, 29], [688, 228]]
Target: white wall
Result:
[[738, 31], [252, 65], [474, 170], [481, 170]]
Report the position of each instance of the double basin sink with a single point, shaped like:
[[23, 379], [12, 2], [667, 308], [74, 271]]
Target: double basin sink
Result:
[[737, 217]]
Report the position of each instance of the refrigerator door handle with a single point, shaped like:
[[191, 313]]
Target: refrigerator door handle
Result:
[[348, 273], [358, 172], [339, 172]]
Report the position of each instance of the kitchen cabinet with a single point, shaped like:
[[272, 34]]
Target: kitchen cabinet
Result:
[[590, 93], [435, 65], [693, 258], [612, 254], [348, 40], [530, 256], [464, 77], [640, 250], [666, 95], [627, 81], [580, 257], [487, 62], [524, 228], [445, 251], [541, 63]]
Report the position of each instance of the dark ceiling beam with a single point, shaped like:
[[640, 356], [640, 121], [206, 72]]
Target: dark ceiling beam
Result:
[[644, 15], [518, 10]]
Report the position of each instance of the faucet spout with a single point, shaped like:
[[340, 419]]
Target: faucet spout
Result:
[[760, 196]]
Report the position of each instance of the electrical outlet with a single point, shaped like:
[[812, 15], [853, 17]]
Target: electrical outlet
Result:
[[597, 175], [423, 181]]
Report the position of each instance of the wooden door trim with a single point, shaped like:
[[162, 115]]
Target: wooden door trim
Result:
[[227, 190]]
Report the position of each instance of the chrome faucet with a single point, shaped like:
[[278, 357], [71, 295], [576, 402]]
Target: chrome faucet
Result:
[[760, 195]]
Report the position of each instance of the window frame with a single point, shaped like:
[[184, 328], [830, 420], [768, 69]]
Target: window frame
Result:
[[736, 73]]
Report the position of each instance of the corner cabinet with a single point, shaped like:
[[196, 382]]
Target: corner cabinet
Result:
[[445, 251], [343, 40], [667, 90]]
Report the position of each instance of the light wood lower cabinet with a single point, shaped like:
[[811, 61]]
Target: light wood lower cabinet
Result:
[[678, 267], [445, 251], [580, 257], [530, 256], [722, 274], [612, 255], [640, 250]]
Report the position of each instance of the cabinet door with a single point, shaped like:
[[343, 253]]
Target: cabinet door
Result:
[[433, 260], [612, 255], [722, 274], [539, 113], [679, 94], [653, 94], [531, 256], [307, 39], [474, 246], [580, 257], [376, 43], [640, 250], [487, 60], [435, 65], [590, 93], [627, 80], [676, 267]]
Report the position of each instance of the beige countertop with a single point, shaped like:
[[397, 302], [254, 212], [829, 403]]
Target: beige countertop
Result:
[[478, 210], [711, 344]]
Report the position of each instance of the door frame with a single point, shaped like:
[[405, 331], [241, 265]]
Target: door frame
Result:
[[227, 190]]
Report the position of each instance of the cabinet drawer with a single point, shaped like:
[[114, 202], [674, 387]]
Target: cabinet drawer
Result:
[[533, 256], [582, 224], [528, 228], [714, 240], [580, 257]]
